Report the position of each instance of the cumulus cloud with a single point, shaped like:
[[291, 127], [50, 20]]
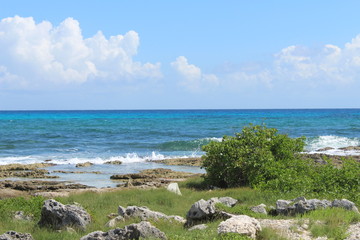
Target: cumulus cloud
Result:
[[192, 76], [37, 53], [328, 65]]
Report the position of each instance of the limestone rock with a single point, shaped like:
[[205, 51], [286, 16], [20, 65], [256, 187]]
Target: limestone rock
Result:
[[85, 164], [146, 214], [205, 210], [284, 207], [201, 210], [301, 205], [115, 162], [174, 187], [344, 203], [114, 221], [259, 209], [350, 148], [325, 149], [227, 201], [20, 215], [12, 235], [133, 231], [198, 227], [241, 224], [58, 216], [311, 204]]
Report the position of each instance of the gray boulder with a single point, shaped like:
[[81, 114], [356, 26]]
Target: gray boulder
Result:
[[12, 235], [133, 231], [205, 210], [58, 216], [346, 204], [285, 207], [146, 214], [227, 201], [311, 204], [241, 224], [201, 210], [301, 205], [259, 209]]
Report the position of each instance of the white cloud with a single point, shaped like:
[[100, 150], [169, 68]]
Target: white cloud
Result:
[[37, 53], [329, 65], [192, 76]]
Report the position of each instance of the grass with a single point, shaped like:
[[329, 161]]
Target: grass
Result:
[[99, 205], [332, 223]]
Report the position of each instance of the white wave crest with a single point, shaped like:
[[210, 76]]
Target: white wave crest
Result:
[[213, 139], [127, 158], [335, 142]]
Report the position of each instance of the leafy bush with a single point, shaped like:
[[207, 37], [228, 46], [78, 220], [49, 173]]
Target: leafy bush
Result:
[[262, 158], [253, 157]]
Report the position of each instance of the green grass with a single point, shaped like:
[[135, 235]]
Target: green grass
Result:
[[332, 223], [99, 205]]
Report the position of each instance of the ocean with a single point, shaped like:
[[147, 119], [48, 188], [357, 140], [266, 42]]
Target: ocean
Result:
[[136, 136]]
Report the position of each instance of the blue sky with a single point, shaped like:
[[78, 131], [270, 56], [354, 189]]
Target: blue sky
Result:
[[179, 54]]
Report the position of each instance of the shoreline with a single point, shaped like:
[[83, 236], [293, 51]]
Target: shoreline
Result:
[[52, 180]]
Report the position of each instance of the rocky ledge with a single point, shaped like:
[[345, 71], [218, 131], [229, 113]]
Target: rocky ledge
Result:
[[25, 170], [151, 178], [39, 185], [195, 161]]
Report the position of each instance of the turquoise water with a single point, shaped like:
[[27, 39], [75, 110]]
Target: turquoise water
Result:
[[71, 137], [133, 136]]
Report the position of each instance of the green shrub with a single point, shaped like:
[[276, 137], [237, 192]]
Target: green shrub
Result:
[[261, 158], [253, 157]]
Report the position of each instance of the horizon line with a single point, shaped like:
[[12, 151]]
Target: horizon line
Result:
[[178, 109]]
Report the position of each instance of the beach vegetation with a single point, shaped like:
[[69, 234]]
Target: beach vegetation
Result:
[[262, 158], [100, 205]]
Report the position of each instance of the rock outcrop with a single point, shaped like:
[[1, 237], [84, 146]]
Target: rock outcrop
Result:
[[201, 210], [346, 204], [259, 209], [85, 164], [151, 178], [134, 231], [195, 161], [301, 205], [146, 214], [58, 216], [115, 162], [227, 201], [39, 185], [12, 235], [241, 224], [25, 170], [205, 210]]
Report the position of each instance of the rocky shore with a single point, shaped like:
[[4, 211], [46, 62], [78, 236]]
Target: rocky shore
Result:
[[319, 157], [26, 175]]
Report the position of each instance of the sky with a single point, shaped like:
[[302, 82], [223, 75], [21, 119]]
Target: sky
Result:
[[155, 54]]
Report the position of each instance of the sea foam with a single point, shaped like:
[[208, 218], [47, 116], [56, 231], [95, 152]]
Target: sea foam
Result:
[[335, 142]]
